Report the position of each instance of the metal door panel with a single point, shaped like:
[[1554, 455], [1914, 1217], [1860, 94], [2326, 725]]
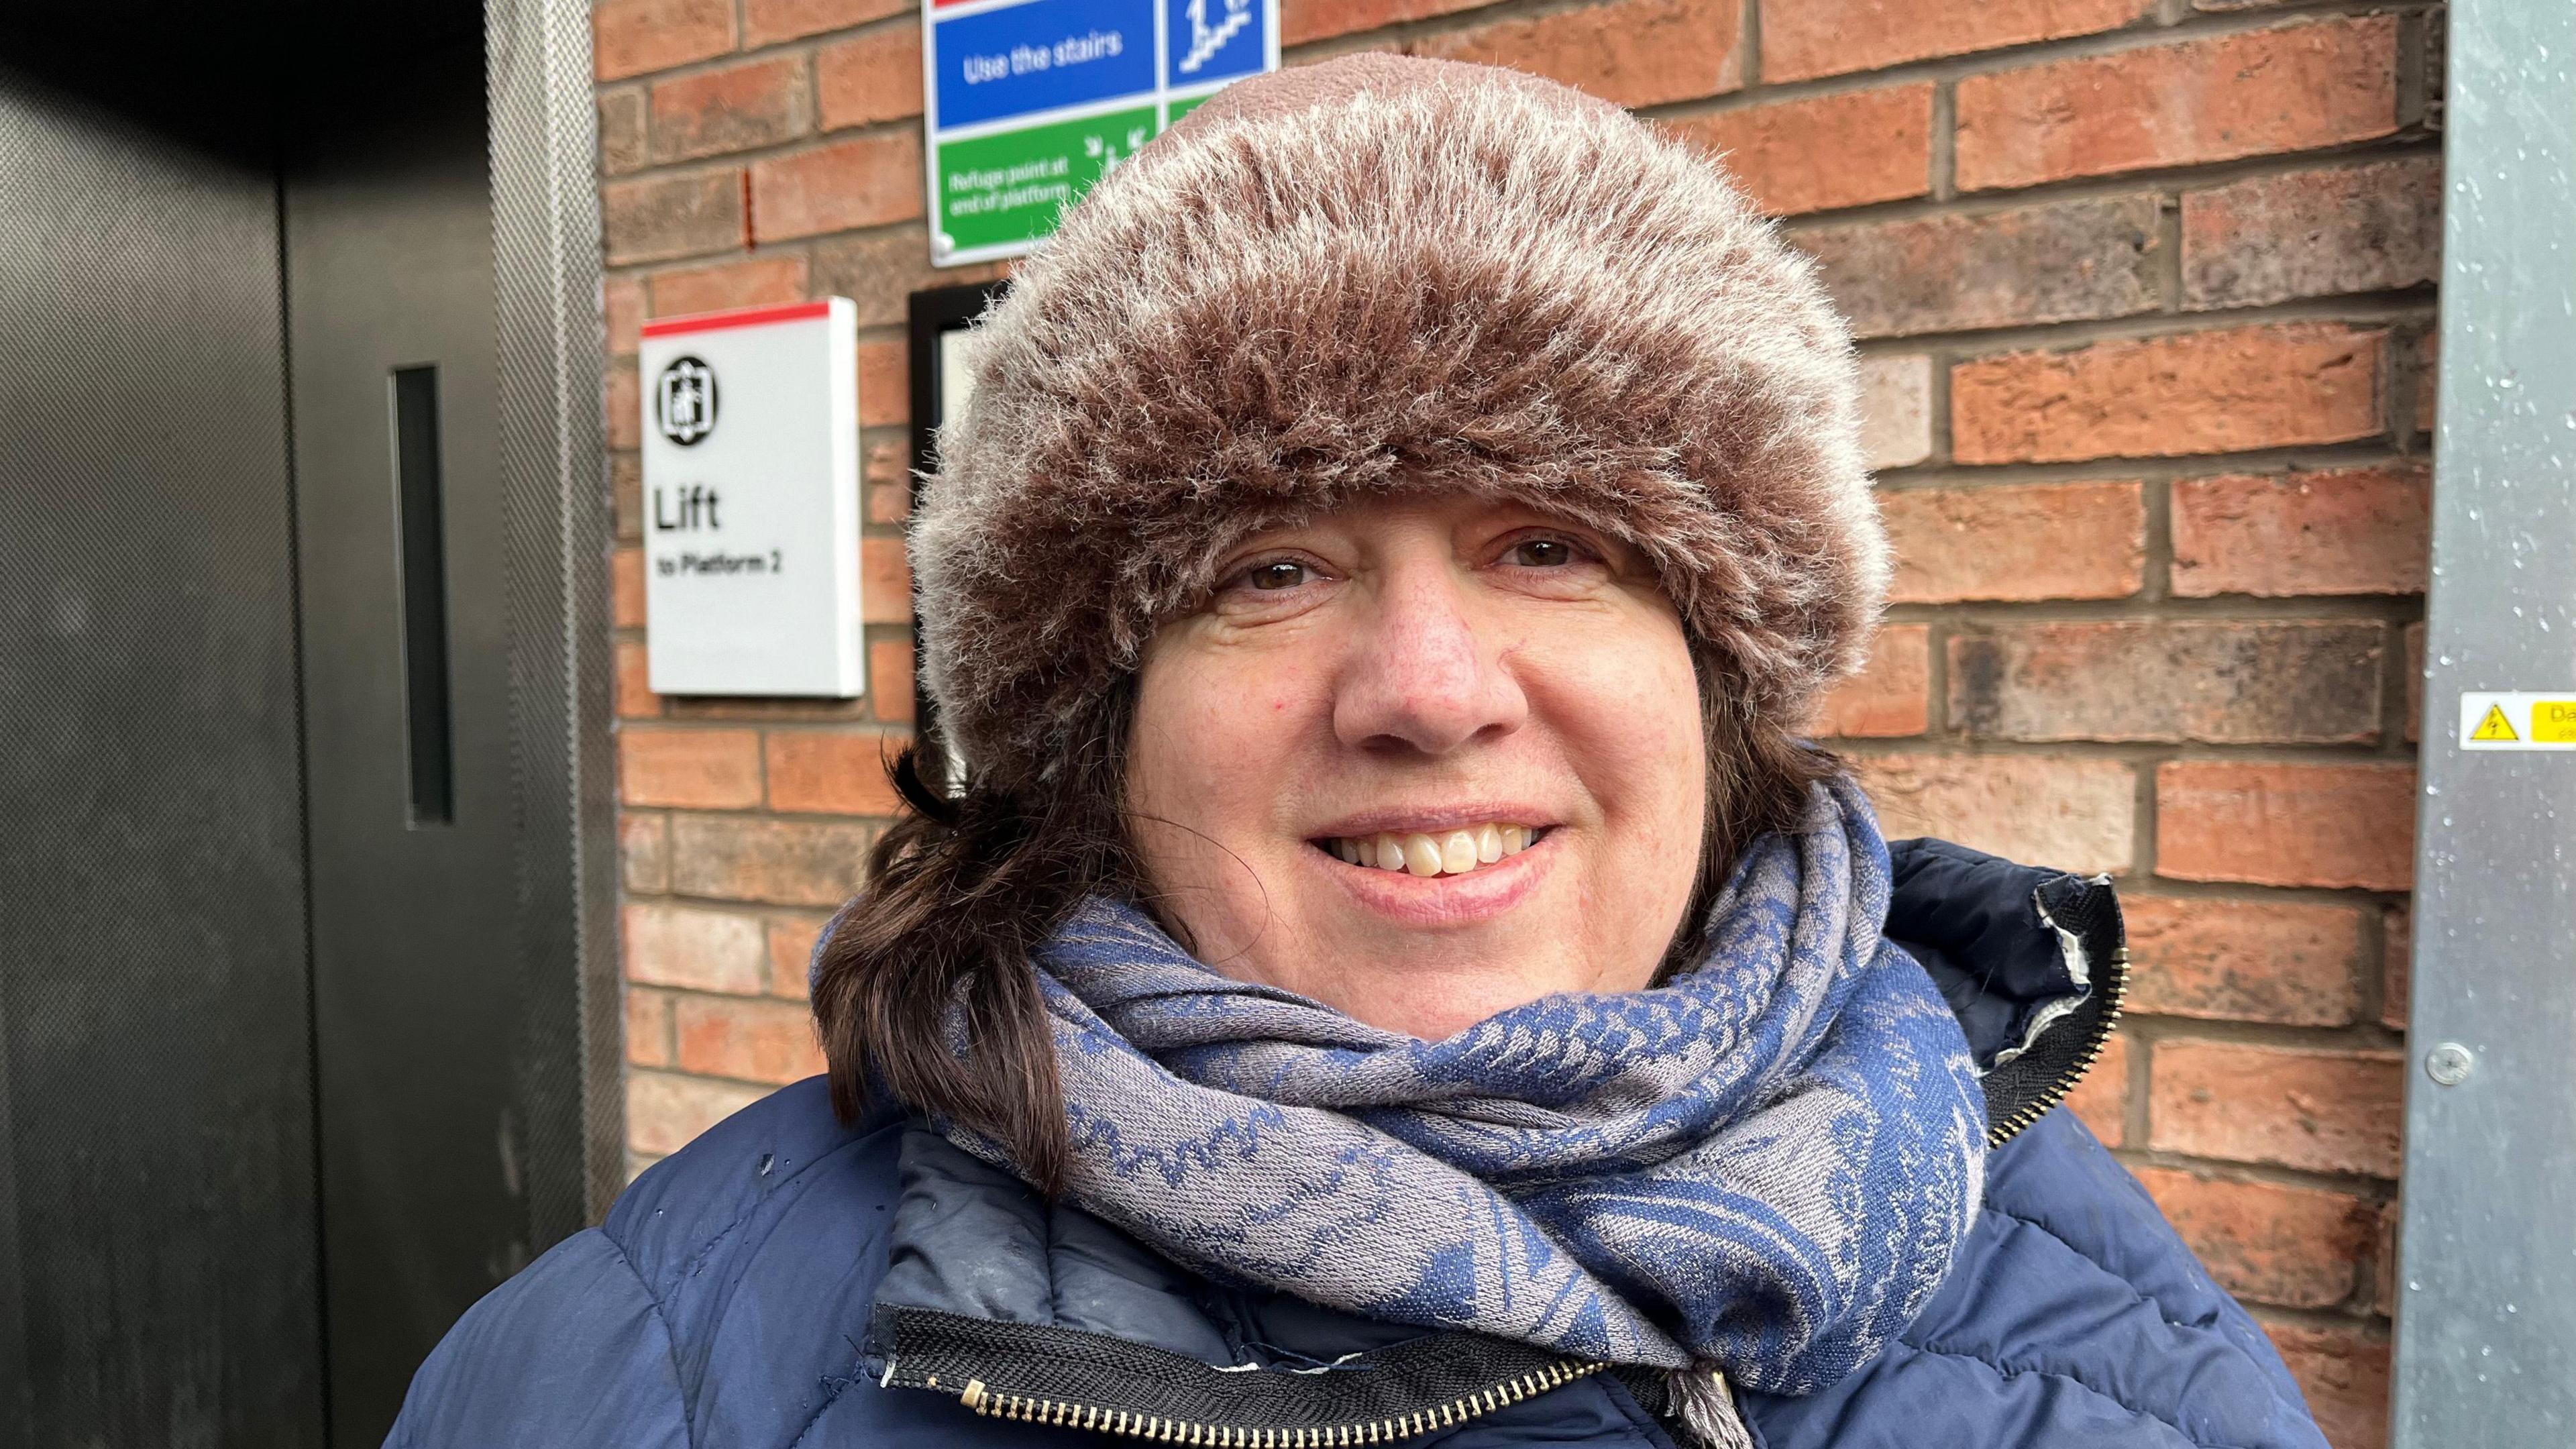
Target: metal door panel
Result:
[[417, 985], [154, 1057]]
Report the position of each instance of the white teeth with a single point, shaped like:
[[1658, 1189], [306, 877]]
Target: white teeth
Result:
[[1421, 855], [1452, 852]]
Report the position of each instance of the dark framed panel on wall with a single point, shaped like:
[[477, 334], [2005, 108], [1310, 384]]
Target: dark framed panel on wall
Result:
[[939, 319]]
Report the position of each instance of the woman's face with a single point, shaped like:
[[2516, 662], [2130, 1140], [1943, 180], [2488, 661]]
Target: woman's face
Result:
[[1336, 764]]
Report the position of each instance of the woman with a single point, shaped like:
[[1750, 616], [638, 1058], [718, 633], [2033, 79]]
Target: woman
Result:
[[1393, 972]]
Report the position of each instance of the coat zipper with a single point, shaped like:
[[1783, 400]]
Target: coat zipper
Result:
[[1032, 1409], [2115, 992]]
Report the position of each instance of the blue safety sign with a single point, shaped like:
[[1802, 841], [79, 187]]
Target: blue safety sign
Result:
[[1029, 102]]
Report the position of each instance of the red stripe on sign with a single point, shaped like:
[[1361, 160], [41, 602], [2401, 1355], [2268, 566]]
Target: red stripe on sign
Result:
[[739, 317]]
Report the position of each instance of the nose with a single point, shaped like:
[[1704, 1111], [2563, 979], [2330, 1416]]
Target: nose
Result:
[[1425, 674]]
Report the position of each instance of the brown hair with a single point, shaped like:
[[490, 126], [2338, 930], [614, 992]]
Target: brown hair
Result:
[[925, 990]]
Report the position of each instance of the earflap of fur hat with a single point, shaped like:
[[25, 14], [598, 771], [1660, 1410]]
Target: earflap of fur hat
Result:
[[1380, 274]]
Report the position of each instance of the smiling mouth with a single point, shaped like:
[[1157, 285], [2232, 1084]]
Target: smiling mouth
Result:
[[1448, 852]]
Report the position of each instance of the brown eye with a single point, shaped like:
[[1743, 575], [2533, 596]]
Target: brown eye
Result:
[[1280, 574], [1542, 553]]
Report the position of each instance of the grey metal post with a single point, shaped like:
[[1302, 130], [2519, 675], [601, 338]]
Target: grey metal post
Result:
[[2486, 1301], [546, 275]]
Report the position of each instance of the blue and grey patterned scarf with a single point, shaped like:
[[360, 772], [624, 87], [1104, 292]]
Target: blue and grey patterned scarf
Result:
[[1762, 1167]]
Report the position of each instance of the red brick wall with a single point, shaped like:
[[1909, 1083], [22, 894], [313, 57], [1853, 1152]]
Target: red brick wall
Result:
[[2144, 293]]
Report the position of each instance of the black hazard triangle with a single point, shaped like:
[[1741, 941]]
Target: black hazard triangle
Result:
[[2495, 726]]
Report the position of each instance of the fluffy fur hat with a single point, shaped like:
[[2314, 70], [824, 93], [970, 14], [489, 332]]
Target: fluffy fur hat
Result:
[[1378, 274]]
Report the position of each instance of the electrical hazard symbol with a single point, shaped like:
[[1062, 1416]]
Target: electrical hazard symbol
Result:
[[2495, 726], [2517, 719]]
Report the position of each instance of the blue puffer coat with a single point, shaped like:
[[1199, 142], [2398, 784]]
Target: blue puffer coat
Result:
[[787, 1282]]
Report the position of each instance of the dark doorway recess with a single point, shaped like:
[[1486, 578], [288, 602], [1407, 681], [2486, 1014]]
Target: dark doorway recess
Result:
[[287, 1080]]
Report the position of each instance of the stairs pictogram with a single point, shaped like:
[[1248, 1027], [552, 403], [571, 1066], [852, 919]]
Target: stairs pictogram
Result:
[[1207, 40]]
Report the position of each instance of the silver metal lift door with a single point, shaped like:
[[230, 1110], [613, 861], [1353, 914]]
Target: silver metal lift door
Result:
[[2486, 1303]]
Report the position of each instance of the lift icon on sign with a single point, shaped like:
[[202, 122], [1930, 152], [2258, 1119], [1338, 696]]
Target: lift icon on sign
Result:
[[684, 402]]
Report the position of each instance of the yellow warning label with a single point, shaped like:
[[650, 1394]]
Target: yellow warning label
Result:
[[2553, 722], [2495, 726]]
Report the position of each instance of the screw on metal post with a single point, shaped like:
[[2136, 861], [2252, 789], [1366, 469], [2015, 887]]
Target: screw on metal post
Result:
[[2449, 1064]]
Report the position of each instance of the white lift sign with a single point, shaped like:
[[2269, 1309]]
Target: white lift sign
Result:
[[751, 501]]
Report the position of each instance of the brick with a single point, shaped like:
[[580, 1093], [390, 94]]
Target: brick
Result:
[[692, 947], [1890, 696], [2075, 815], [630, 37], [2295, 1247], [690, 768], [765, 22], [2428, 379], [2415, 682], [2371, 228], [1301, 21], [664, 1112], [2236, 682], [1821, 153], [644, 852], [621, 302], [867, 180], [2289, 88], [2344, 1375], [624, 409], [626, 588], [817, 772], [1895, 410], [890, 681], [2346, 531], [2384, 1259], [2396, 966], [2324, 1111], [1635, 52], [751, 282], [635, 696], [2063, 262], [760, 1040], [2287, 825], [885, 582], [870, 77], [879, 270], [659, 218], [1804, 38], [2101, 1096], [2162, 397], [2016, 543], [621, 132], [2277, 961], [648, 1027], [885, 383], [885, 464], [736, 108], [626, 497], [2414, 648], [792, 940], [778, 862]]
